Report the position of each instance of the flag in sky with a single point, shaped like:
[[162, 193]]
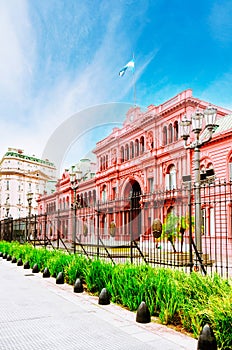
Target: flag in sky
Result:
[[130, 66]]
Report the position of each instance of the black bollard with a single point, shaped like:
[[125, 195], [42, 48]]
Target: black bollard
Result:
[[104, 297], [46, 273], [35, 268], [207, 340], [8, 258], [19, 262], [60, 278], [78, 286], [14, 260], [143, 313], [26, 265], [1, 254], [4, 255]]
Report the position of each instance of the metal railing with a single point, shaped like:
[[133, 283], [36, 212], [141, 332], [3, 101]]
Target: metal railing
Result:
[[123, 229]]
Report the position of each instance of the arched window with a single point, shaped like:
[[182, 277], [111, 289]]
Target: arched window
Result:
[[136, 148], [141, 144], [126, 152], [170, 178], [230, 169], [122, 154], [176, 131], [165, 135], [170, 133], [132, 150], [106, 161]]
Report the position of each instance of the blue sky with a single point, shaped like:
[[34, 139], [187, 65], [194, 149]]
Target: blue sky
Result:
[[59, 57]]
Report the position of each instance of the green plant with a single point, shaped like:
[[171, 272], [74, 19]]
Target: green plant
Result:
[[78, 267], [57, 262], [170, 229], [99, 274], [189, 300]]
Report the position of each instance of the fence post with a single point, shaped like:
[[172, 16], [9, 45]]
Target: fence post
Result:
[[190, 225], [98, 227]]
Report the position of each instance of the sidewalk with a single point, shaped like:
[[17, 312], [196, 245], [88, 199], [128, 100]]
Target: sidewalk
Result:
[[36, 313]]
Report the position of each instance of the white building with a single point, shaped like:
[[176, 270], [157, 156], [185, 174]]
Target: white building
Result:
[[21, 174]]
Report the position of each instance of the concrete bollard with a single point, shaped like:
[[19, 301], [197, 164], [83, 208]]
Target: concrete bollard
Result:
[[26, 265], [46, 273], [143, 313], [207, 340], [78, 286], [35, 268], [60, 278], [104, 297], [19, 262]]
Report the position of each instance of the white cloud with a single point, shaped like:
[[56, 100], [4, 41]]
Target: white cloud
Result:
[[40, 88], [16, 50]]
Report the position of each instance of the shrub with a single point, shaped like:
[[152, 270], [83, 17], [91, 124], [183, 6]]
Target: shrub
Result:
[[189, 300]]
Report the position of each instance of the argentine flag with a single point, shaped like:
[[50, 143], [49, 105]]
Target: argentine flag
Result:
[[130, 66]]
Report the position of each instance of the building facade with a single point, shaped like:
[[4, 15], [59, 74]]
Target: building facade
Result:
[[58, 207], [145, 157], [21, 175]]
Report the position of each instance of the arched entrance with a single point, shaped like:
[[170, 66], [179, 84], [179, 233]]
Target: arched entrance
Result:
[[133, 209]]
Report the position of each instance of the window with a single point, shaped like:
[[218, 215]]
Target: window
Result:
[[141, 145], [208, 221], [106, 161], [136, 148], [122, 154], [165, 136], [126, 152], [104, 195], [170, 178], [170, 133], [150, 184], [230, 169], [131, 150], [176, 131]]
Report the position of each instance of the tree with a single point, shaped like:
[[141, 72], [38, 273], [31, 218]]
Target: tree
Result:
[[170, 229]]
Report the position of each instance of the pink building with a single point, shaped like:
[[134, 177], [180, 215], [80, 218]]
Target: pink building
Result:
[[141, 167]]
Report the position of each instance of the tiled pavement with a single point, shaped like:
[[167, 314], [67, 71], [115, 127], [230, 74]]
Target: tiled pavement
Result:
[[36, 313]]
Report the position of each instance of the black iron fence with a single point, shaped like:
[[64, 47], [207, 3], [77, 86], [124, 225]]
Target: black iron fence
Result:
[[155, 228]]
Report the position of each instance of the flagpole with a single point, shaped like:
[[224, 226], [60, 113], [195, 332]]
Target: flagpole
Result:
[[134, 84]]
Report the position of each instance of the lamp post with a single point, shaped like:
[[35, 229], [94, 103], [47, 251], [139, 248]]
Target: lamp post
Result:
[[74, 186], [29, 200], [209, 115]]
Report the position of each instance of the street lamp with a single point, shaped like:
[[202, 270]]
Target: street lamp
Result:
[[209, 115], [74, 186], [29, 200]]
